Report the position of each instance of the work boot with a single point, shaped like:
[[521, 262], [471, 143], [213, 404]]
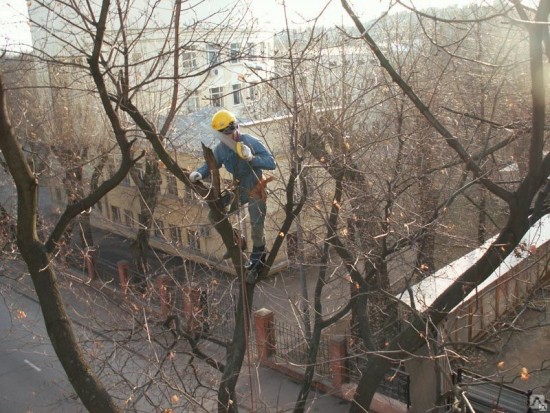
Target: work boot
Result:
[[226, 200], [257, 258], [255, 263]]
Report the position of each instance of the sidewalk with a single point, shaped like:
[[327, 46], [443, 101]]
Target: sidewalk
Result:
[[274, 392]]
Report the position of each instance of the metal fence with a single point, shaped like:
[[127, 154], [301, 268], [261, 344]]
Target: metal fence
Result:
[[292, 347], [221, 310]]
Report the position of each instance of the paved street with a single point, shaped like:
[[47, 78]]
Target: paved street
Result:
[[31, 378]]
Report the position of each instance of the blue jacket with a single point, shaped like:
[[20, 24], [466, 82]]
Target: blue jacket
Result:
[[247, 173]]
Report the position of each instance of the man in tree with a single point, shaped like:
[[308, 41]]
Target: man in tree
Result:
[[244, 156]]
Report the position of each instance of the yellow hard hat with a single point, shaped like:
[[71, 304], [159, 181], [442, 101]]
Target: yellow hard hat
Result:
[[224, 121]]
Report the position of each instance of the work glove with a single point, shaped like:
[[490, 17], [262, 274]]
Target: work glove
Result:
[[246, 153], [195, 176]]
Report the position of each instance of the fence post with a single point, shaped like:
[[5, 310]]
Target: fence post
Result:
[[123, 276], [163, 290], [90, 255], [338, 360], [265, 333], [193, 308]]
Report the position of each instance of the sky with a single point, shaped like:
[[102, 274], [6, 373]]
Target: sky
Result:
[[14, 29], [14, 26], [334, 14]]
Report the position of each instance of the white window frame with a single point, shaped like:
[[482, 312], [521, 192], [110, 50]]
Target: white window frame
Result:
[[193, 101], [212, 54], [216, 96], [251, 51], [237, 94], [189, 61], [235, 52]]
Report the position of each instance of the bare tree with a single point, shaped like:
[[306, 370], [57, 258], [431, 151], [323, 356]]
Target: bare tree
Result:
[[102, 46], [530, 192], [38, 254], [366, 209]]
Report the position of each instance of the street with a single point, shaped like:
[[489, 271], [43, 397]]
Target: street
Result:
[[31, 378]]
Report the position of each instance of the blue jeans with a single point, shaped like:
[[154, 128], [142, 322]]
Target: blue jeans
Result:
[[257, 209]]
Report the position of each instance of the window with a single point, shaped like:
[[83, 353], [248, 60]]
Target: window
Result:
[[251, 51], [237, 95], [140, 169], [128, 218], [115, 213], [292, 246], [193, 102], [235, 52], [175, 234], [216, 96], [111, 168], [172, 185], [188, 61], [193, 238], [159, 228], [212, 54]]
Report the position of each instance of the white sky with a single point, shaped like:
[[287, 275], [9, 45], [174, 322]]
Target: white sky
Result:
[[14, 29], [300, 10]]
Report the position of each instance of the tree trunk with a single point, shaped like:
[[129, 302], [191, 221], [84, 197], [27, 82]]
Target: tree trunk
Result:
[[85, 383], [409, 340], [88, 387], [227, 397]]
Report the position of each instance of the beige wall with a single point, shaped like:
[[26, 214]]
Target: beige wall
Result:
[[188, 212], [423, 385]]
